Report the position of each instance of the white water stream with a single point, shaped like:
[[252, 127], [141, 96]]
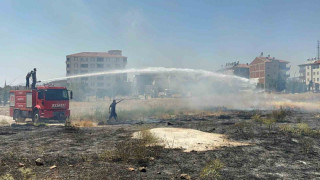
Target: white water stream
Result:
[[200, 72]]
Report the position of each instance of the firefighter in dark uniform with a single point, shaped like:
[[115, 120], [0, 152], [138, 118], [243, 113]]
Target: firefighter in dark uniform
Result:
[[34, 78], [112, 110], [28, 80]]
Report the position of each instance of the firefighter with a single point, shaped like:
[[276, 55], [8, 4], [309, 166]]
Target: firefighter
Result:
[[112, 109], [28, 80], [34, 78]]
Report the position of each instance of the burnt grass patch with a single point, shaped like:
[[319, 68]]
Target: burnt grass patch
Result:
[[279, 149]]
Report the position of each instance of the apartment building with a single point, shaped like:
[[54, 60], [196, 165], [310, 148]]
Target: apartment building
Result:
[[310, 74], [271, 73], [92, 62]]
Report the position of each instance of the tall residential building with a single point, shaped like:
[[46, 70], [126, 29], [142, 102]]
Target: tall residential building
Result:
[[310, 74], [92, 62], [236, 69], [271, 73]]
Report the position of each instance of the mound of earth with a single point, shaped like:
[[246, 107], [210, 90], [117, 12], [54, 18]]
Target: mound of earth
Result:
[[191, 139]]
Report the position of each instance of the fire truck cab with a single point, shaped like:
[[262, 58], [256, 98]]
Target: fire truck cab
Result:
[[44, 102]]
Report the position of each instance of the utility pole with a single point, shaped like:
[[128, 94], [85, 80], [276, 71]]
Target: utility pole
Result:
[[318, 49]]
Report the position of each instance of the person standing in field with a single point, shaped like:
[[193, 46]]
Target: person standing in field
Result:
[[112, 110]]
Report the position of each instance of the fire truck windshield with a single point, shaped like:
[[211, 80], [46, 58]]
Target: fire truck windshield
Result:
[[57, 94]]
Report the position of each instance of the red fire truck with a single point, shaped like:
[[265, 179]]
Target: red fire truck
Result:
[[44, 102]]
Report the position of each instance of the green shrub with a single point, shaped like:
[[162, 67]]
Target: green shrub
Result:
[[306, 145], [280, 114], [6, 177], [286, 128], [256, 118], [269, 122], [27, 173], [303, 129], [135, 150], [243, 129], [212, 170]]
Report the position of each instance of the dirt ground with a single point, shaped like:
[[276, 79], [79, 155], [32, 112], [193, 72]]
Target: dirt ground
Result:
[[84, 153]]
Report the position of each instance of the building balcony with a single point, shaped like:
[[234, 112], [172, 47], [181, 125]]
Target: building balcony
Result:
[[284, 68]]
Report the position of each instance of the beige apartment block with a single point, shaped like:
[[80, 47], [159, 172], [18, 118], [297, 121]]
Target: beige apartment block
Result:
[[93, 62], [310, 73]]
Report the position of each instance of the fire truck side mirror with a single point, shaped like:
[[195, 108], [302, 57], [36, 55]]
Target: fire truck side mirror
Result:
[[71, 94]]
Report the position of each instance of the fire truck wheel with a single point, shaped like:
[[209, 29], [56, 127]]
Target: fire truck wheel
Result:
[[62, 120], [15, 115], [36, 116], [18, 117]]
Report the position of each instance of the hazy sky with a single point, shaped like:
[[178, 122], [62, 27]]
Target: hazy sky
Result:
[[189, 34]]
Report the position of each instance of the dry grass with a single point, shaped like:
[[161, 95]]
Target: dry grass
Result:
[[280, 114], [84, 124], [136, 109], [4, 122]]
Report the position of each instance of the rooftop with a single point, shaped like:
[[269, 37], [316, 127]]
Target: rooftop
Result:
[[242, 66], [270, 59], [310, 63], [94, 54]]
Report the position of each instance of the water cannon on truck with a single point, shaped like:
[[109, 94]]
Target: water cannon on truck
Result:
[[43, 102]]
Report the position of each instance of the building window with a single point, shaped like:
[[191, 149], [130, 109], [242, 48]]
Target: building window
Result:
[[100, 77], [84, 71], [75, 58], [108, 59], [118, 79], [318, 79], [100, 66], [68, 72], [84, 65], [68, 59], [314, 73], [308, 73], [75, 72], [84, 78], [68, 65], [100, 84], [76, 65], [81, 59], [99, 59]]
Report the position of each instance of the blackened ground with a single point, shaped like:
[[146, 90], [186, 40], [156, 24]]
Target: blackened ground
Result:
[[78, 153]]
